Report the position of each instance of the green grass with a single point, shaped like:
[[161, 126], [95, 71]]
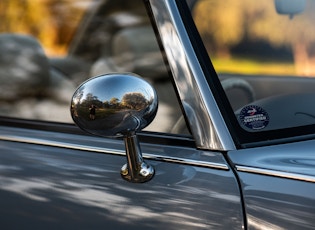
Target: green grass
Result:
[[247, 66]]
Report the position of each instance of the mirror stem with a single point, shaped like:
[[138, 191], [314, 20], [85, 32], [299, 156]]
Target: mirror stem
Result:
[[133, 154], [136, 170]]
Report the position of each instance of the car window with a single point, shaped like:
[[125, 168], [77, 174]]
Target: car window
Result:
[[48, 48], [263, 53]]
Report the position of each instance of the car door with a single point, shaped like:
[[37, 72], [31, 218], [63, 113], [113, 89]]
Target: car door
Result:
[[53, 175], [55, 179]]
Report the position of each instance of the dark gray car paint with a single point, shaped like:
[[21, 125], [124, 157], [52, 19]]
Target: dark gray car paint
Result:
[[50, 187], [278, 185]]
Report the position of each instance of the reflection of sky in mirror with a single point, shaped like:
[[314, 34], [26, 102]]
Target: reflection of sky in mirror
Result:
[[117, 88]]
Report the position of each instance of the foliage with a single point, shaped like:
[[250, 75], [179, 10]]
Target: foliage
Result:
[[53, 22], [226, 24]]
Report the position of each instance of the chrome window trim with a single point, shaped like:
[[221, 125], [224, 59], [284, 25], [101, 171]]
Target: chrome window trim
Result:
[[275, 173], [206, 122], [84, 147]]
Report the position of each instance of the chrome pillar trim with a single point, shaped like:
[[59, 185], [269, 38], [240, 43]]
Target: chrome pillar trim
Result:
[[82, 147], [59, 144], [188, 162], [204, 117], [274, 173]]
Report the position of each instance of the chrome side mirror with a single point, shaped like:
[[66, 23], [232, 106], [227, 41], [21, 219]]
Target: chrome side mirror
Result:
[[118, 105]]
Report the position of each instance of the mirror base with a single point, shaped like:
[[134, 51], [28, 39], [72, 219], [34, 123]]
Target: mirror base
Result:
[[143, 174]]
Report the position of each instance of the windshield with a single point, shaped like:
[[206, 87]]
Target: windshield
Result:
[[264, 55]]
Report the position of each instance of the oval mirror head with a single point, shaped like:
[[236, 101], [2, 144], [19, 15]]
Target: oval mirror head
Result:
[[118, 105], [114, 105]]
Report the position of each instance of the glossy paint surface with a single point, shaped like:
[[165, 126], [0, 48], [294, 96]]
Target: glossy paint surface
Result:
[[60, 187], [278, 185]]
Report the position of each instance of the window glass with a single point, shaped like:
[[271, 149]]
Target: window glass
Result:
[[263, 52], [49, 47]]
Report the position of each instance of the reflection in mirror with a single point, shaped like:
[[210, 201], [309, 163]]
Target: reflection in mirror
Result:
[[114, 105]]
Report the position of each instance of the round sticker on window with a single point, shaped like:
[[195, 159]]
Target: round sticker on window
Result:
[[254, 117]]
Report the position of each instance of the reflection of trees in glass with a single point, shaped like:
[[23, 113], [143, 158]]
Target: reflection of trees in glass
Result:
[[114, 102], [136, 101], [88, 106], [79, 94], [90, 99], [225, 24]]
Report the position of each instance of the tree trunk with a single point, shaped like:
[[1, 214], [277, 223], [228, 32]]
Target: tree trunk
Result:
[[302, 59]]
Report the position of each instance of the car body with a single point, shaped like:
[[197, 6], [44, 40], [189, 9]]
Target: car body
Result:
[[229, 150]]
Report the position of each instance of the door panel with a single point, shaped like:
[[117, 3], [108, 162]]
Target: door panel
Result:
[[278, 203], [59, 186], [278, 185]]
